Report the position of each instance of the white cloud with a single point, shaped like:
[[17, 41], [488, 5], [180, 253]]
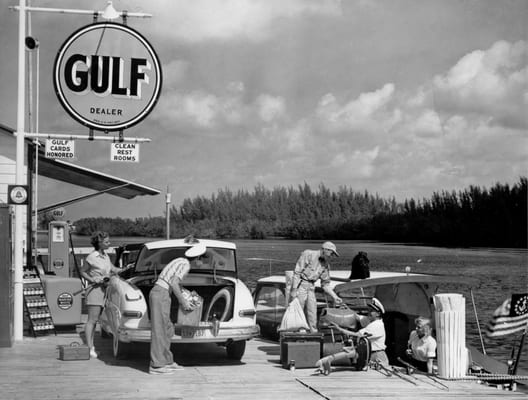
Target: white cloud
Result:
[[371, 111], [491, 83], [358, 164], [200, 20], [428, 123], [269, 107], [209, 111]]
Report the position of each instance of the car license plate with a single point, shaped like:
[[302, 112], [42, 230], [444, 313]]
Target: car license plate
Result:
[[191, 332]]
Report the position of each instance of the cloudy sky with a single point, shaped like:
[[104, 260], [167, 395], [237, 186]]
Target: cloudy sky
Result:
[[401, 98]]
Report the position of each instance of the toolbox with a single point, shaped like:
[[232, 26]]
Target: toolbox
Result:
[[74, 351], [302, 350]]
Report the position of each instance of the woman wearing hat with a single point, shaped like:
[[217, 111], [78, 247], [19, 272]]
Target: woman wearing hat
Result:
[[162, 329], [374, 332]]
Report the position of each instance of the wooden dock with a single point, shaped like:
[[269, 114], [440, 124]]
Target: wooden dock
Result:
[[31, 369]]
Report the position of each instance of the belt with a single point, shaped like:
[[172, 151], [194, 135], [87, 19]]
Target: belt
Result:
[[162, 283], [376, 351]]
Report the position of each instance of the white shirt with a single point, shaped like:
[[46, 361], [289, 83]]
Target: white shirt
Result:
[[98, 264], [376, 334], [422, 348], [173, 273]]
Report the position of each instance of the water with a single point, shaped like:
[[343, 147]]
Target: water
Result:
[[501, 272]]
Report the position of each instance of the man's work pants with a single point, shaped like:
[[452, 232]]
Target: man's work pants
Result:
[[162, 328], [306, 296]]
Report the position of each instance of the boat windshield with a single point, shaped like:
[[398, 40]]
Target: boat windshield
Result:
[[215, 259]]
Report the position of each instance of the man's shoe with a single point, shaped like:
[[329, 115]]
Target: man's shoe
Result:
[[160, 371], [174, 367]]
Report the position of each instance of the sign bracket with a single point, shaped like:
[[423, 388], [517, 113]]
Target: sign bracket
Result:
[[84, 137]]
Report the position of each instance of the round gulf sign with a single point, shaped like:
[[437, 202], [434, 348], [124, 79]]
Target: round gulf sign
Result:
[[107, 76], [58, 213]]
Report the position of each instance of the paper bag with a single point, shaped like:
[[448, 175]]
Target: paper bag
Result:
[[294, 318]]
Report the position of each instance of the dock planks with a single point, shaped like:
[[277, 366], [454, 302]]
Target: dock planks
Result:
[[31, 369]]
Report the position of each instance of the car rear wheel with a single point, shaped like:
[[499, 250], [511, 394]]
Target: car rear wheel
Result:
[[120, 349], [235, 350]]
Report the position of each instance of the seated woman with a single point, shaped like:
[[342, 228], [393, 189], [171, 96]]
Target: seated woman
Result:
[[421, 346]]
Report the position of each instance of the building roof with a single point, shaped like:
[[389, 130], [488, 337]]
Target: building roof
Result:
[[85, 177]]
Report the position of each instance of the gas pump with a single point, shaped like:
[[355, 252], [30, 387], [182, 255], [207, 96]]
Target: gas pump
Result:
[[63, 292], [58, 248]]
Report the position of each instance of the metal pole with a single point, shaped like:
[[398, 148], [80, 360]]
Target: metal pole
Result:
[[85, 137], [37, 144], [18, 327], [476, 319], [167, 212], [80, 12], [519, 351]]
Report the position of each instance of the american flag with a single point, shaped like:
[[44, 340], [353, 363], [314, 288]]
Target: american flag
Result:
[[510, 317]]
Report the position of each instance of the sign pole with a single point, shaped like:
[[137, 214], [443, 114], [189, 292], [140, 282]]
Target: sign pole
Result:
[[18, 328]]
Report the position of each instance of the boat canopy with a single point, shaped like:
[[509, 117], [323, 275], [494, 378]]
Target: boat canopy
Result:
[[393, 278]]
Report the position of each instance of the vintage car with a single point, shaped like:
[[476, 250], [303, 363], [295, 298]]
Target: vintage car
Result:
[[270, 297], [226, 315]]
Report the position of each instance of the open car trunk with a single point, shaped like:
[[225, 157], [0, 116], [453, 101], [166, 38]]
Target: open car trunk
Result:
[[217, 296]]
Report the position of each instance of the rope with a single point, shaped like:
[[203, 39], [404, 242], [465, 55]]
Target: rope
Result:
[[488, 377], [478, 324]]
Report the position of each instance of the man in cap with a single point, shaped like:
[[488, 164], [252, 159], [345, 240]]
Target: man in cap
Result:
[[374, 332], [311, 266], [162, 329]]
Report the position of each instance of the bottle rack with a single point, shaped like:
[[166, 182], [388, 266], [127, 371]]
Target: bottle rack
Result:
[[37, 310]]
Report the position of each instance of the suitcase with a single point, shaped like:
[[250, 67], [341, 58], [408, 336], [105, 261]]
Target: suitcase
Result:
[[74, 351], [302, 348]]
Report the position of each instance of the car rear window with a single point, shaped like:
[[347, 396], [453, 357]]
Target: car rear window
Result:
[[215, 259]]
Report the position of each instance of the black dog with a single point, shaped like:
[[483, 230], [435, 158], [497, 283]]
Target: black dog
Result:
[[360, 266]]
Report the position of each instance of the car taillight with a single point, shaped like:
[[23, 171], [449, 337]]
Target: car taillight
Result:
[[132, 314], [133, 296], [247, 313]]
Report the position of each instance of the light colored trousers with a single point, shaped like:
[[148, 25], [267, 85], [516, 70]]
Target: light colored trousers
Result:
[[306, 296], [162, 328]]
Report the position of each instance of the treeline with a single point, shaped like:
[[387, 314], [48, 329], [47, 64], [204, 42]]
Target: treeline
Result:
[[473, 217]]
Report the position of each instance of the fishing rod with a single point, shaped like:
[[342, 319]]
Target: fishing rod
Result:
[[411, 369], [389, 372]]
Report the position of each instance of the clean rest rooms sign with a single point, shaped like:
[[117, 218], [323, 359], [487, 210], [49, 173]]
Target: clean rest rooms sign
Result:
[[107, 76], [124, 152]]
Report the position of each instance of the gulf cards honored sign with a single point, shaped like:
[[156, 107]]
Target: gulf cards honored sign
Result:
[[107, 76]]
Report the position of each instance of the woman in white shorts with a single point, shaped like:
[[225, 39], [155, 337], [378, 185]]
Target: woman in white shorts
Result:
[[97, 268]]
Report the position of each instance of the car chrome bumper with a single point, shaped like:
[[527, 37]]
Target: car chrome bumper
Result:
[[195, 334]]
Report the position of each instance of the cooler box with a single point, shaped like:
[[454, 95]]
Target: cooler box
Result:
[[64, 299], [303, 348]]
